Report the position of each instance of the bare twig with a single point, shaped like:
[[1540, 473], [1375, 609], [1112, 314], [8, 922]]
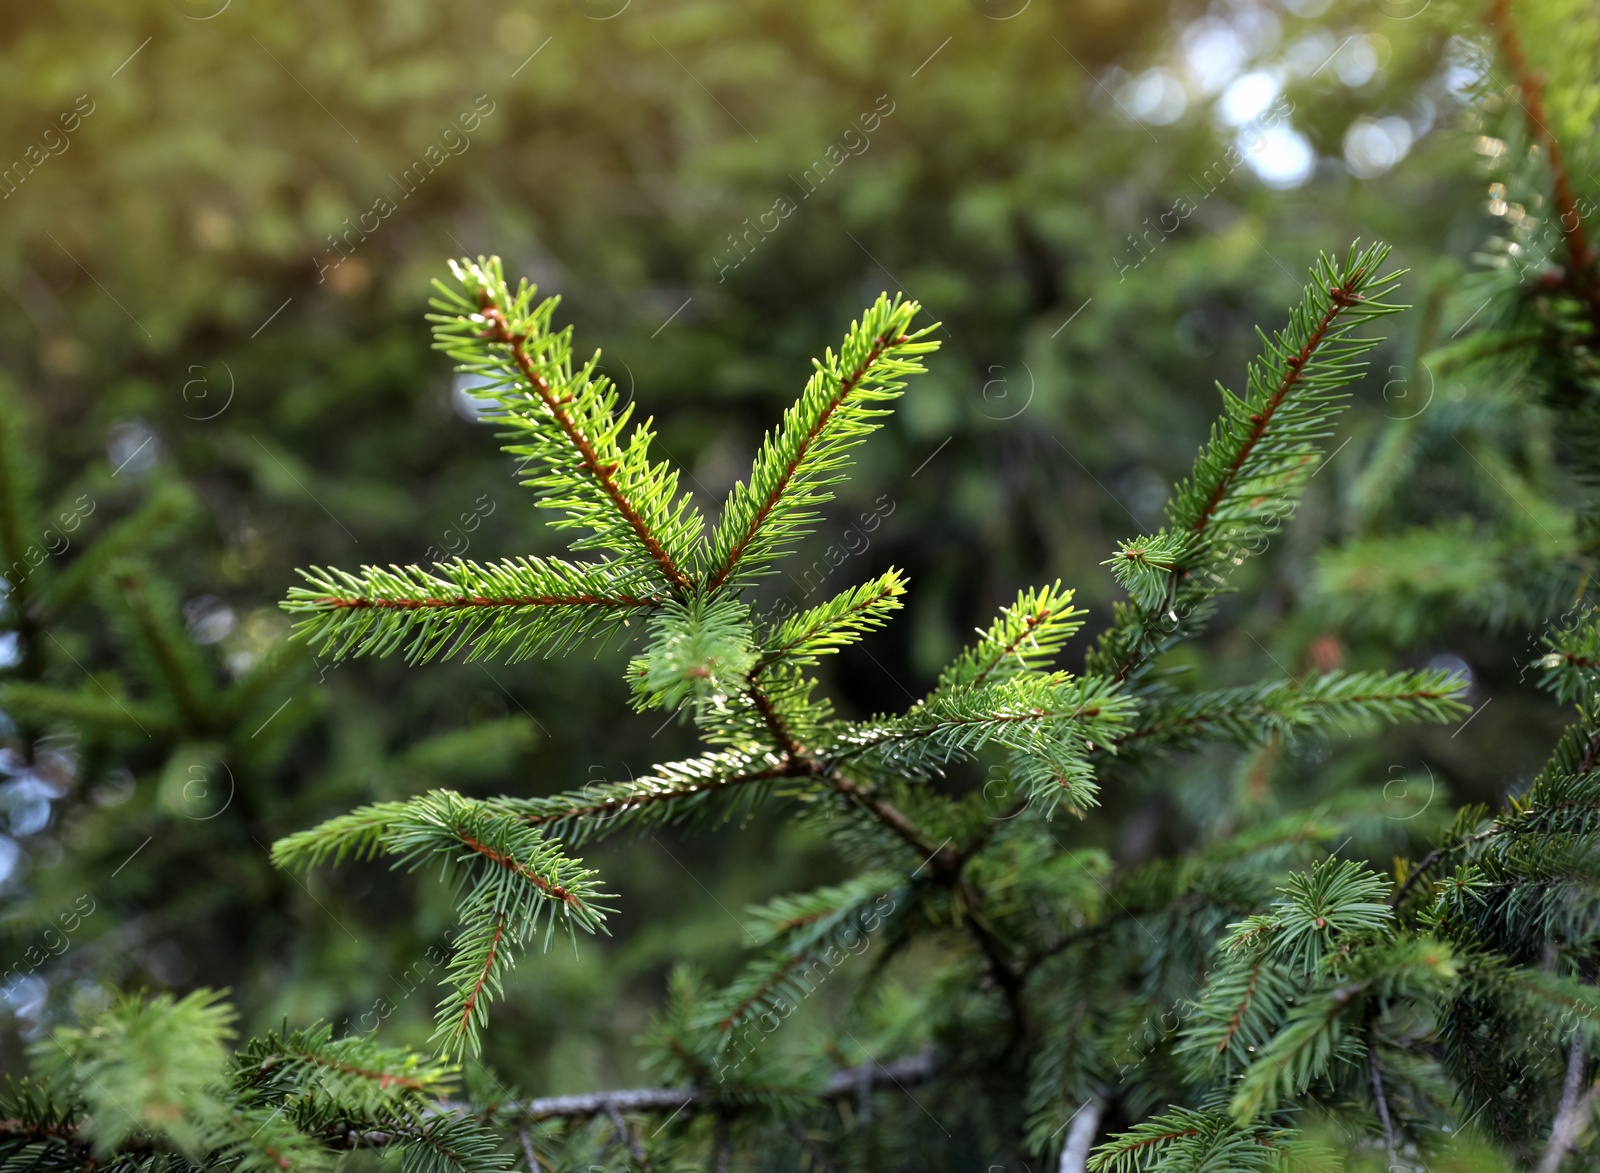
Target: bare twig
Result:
[[1577, 1105], [1080, 1137], [635, 1149], [916, 1069], [1379, 1099]]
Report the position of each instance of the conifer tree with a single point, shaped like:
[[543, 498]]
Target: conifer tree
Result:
[[1271, 994], [928, 860]]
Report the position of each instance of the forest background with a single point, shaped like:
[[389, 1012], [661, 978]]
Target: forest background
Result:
[[218, 220]]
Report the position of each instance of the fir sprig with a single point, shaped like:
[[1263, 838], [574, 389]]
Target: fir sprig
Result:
[[565, 417], [836, 623], [512, 880], [1344, 702], [1250, 474], [518, 608], [841, 406], [1025, 637]]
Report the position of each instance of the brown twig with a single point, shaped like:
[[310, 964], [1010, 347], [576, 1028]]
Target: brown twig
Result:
[[775, 724], [1000, 967], [509, 863], [1432, 859], [619, 806]]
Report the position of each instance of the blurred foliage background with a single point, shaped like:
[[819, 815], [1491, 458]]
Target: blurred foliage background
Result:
[[217, 232]]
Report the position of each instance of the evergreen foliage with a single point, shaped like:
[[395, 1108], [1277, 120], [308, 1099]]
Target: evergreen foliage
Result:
[[1323, 955], [1241, 1002], [150, 1084], [1316, 969]]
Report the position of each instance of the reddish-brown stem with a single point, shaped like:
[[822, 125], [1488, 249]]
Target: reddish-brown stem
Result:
[[994, 952], [1198, 721], [775, 725], [1260, 421], [738, 1011], [358, 604], [889, 815], [1007, 719], [527, 873], [1239, 1012], [1432, 860], [603, 473], [1580, 258], [1175, 1134], [737, 551], [771, 657], [483, 976], [1341, 297]]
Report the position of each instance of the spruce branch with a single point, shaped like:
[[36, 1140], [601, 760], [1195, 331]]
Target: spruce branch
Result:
[[1145, 566], [18, 508], [893, 1075], [806, 937], [1024, 638], [1186, 1138], [145, 1067], [1236, 1015], [168, 506], [1300, 1051], [175, 666], [702, 649], [319, 1085], [1335, 899], [1054, 719], [1250, 474], [837, 623], [839, 408], [87, 708], [1255, 714], [1266, 437], [519, 607], [511, 877], [865, 797], [1571, 669], [566, 417], [447, 1145]]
